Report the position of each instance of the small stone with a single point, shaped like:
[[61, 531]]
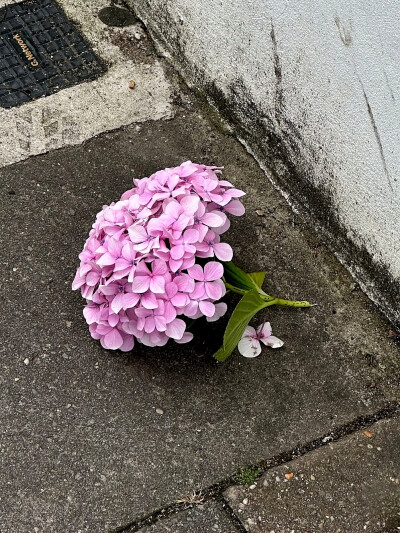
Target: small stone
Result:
[[259, 212], [245, 501], [312, 478], [132, 84], [68, 323], [16, 379], [26, 361], [14, 269], [326, 439], [252, 487], [159, 411], [289, 475], [137, 36], [68, 405]]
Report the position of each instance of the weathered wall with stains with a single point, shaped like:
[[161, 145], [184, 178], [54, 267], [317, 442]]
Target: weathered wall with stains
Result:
[[313, 89]]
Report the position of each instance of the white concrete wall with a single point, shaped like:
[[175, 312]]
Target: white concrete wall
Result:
[[322, 81]]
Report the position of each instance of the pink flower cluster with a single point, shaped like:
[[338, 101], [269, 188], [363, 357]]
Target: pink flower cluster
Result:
[[138, 269]]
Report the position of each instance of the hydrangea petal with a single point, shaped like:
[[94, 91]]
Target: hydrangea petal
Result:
[[249, 347], [213, 271], [186, 337], [273, 342], [223, 251], [112, 340], [140, 284], [264, 330], [176, 329]]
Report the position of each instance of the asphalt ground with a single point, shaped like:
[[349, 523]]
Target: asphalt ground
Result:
[[93, 441]]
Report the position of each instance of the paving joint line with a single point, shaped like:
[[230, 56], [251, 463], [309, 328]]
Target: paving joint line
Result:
[[215, 491], [235, 521]]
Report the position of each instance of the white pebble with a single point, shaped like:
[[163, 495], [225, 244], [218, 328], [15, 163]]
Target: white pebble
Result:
[[26, 361], [159, 411]]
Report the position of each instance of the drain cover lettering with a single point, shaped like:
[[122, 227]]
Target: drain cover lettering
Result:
[[41, 52], [26, 49]]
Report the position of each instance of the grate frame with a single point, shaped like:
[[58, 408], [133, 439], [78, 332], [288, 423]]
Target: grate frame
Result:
[[41, 52]]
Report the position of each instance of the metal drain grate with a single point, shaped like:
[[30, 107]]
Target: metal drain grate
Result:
[[41, 52]]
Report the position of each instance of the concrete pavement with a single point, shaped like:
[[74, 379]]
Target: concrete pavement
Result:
[[94, 441], [351, 485]]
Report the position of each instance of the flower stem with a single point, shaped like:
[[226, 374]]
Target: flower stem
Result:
[[292, 303], [235, 289], [272, 300]]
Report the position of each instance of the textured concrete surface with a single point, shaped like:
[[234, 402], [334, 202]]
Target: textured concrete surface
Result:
[[83, 448], [78, 113], [208, 518], [349, 486], [312, 89], [92, 440]]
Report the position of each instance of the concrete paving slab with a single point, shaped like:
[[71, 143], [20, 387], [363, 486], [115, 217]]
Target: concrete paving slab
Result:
[[83, 448], [350, 486], [208, 518], [78, 113]]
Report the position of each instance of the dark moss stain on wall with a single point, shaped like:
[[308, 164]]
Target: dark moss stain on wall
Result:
[[279, 145]]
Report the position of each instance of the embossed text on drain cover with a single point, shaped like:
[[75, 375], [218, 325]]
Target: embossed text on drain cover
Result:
[[41, 52]]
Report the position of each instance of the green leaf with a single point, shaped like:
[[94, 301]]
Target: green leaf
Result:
[[258, 278], [248, 306], [237, 277], [220, 355]]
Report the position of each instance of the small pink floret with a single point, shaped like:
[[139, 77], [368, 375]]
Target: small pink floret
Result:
[[249, 345]]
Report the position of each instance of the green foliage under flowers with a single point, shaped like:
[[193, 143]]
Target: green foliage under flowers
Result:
[[253, 300]]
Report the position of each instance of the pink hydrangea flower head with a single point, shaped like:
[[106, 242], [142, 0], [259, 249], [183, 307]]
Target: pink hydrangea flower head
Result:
[[153, 257]]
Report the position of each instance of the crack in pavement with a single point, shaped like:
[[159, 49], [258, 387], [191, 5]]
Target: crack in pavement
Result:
[[215, 491], [232, 516]]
